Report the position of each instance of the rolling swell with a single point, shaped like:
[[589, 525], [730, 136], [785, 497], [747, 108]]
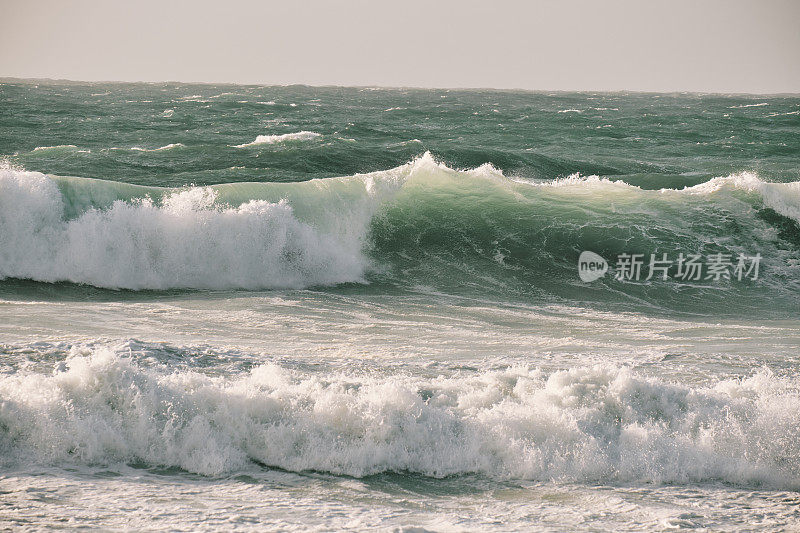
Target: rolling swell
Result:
[[420, 224]]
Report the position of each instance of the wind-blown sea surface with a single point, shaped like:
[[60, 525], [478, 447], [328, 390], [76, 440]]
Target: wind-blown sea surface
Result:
[[246, 307]]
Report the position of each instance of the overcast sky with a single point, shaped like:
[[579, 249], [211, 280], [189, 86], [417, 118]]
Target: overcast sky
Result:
[[708, 46]]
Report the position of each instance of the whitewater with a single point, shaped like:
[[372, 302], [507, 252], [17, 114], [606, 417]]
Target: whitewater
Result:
[[330, 312]]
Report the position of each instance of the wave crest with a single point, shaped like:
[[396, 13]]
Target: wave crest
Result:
[[160, 149], [276, 139], [434, 222]]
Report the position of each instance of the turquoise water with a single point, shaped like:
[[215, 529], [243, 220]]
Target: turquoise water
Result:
[[355, 307]]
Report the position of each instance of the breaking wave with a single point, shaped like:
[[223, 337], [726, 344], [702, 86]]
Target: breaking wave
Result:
[[160, 149], [420, 223], [275, 139], [53, 148], [183, 239], [599, 423]]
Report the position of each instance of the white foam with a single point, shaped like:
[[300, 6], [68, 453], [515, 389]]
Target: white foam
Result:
[[274, 139], [581, 424], [186, 241]]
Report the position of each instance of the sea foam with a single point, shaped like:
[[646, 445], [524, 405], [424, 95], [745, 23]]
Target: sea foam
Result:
[[581, 424], [185, 240]]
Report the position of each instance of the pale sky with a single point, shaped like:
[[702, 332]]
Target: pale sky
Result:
[[707, 46]]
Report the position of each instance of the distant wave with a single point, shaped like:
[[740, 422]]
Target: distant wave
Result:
[[784, 114], [57, 147], [748, 105], [274, 139], [167, 147], [602, 423]]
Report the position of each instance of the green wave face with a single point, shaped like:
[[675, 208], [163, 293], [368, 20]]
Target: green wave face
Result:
[[476, 233]]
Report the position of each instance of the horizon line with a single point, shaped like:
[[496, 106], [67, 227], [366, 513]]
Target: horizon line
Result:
[[6, 79]]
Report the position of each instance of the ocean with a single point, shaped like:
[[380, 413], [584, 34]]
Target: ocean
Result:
[[291, 308]]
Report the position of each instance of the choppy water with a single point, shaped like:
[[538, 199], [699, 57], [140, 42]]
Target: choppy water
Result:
[[300, 307]]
